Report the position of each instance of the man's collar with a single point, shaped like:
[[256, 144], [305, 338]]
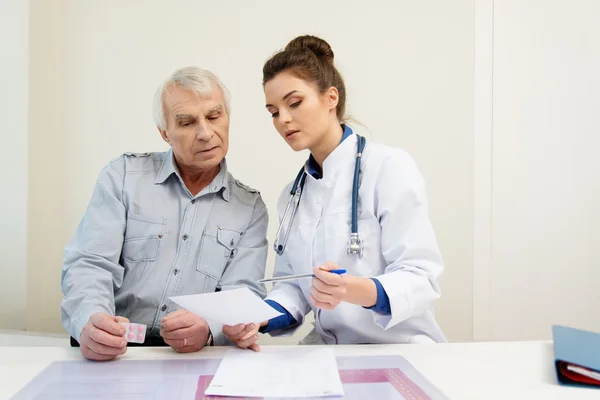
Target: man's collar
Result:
[[167, 168], [220, 182]]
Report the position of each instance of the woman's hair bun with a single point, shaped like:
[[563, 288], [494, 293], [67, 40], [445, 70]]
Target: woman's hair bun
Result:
[[317, 45]]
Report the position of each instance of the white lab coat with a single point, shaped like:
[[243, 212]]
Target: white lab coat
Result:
[[400, 247]]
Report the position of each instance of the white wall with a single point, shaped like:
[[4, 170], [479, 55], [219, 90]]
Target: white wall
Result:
[[545, 265], [14, 32], [95, 65], [497, 101]]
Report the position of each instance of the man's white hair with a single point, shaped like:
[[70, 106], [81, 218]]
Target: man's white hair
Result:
[[198, 80]]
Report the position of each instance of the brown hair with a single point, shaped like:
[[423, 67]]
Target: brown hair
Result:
[[309, 58]]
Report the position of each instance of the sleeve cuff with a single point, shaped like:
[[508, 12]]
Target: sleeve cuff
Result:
[[399, 305], [287, 303], [383, 301], [281, 322], [219, 338], [82, 318]]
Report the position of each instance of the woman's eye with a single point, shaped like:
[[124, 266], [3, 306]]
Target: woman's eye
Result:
[[296, 104], [275, 114]]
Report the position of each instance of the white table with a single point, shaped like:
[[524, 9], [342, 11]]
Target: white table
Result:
[[514, 370]]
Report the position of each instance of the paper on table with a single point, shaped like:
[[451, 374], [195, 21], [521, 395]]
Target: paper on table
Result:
[[273, 372], [228, 307]]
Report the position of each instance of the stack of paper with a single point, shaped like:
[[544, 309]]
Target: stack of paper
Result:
[[278, 372]]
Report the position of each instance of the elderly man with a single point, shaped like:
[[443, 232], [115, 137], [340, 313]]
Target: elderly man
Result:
[[165, 224]]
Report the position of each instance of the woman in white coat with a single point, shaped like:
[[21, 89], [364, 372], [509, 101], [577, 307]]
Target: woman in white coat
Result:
[[388, 291]]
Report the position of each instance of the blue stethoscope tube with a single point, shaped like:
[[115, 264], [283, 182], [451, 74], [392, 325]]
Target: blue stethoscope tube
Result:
[[355, 244]]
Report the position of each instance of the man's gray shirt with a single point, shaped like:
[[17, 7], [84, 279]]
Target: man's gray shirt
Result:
[[145, 238]]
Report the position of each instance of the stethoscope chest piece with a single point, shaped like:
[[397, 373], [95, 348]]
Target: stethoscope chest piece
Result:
[[355, 245]]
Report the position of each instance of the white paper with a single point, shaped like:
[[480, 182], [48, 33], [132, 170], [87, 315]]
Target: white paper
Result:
[[228, 307], [303, 371], [584, 372]]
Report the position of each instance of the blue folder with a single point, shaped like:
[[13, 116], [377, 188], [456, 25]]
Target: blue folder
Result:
[[577, 356]]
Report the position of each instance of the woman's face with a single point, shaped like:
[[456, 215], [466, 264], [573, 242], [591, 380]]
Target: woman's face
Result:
[[301, 114]]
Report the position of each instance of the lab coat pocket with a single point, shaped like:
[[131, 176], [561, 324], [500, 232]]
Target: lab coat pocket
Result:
[[143, 239], [219, 245]]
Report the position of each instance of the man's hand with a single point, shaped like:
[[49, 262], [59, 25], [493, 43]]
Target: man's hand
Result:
[[184, 331], [244, 336], [102, 338]]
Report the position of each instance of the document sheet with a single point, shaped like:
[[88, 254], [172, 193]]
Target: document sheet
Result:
[[293, 372], [228, 307]]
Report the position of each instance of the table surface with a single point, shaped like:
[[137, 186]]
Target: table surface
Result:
[[479, 370]]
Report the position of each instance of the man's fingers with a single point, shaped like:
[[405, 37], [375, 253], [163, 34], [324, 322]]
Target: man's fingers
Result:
[[186, 349], [102, 349], [92, 355], [107, 324], [122, 320], [180, 343], [178, 334], [106, 339], [184, 320], [174, 314]]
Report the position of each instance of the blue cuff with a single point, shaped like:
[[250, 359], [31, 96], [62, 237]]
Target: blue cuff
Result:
[[383, 301], [281, 322]]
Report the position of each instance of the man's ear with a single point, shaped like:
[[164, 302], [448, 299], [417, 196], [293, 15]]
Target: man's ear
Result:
[[332, 97], [164, 135]]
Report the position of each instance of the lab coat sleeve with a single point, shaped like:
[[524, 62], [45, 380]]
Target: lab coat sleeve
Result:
[[288, 294], [408, 242]]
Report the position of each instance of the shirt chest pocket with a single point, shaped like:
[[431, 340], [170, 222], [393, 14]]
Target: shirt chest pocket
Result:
[[143, 239], [219, 245]]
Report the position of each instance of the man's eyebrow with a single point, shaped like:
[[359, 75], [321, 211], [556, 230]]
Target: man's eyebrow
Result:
[[284, 97], [218, 108], [183, 116]]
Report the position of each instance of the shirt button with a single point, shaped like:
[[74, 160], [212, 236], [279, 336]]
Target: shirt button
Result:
[[164, 308], [176, 271], [185, 237], [193, 201]]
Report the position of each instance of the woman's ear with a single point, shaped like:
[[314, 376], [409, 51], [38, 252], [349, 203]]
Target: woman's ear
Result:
[[332, 97]]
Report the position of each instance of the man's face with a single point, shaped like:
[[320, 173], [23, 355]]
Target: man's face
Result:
[[197, 128]]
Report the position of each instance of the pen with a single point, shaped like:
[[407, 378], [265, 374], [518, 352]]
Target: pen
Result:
[[290, 277]]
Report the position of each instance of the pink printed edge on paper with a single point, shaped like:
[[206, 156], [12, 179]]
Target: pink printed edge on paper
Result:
[[402, 383]]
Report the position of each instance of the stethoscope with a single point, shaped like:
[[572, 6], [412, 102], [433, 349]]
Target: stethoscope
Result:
[[355, 245]]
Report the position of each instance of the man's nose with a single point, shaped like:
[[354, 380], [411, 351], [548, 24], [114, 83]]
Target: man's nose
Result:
[[205, 131]]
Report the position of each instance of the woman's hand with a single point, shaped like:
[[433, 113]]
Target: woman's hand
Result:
[[328, 289], [244, 336]]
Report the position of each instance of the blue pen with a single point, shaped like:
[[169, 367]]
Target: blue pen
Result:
[[290, 277]]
